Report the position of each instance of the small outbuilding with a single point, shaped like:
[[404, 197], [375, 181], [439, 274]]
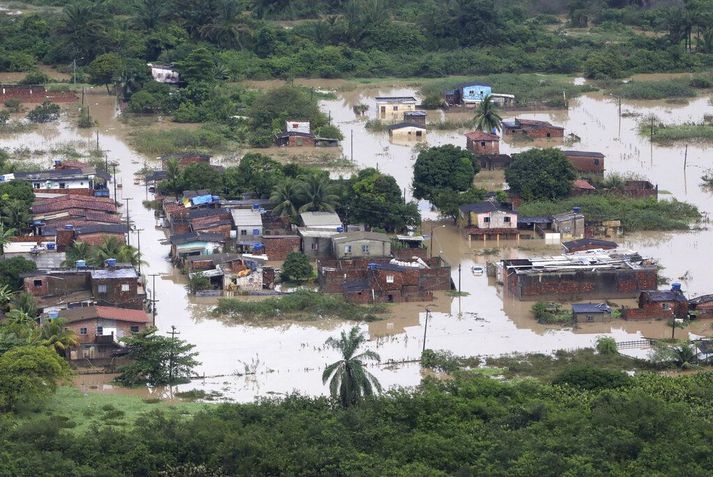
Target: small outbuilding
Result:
[[415, 117], [479, 143], [532, 128], [591, 312], [392, 108], [410, 131], [586, 162]]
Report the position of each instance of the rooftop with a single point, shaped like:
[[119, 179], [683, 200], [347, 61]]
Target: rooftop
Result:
[[351, 236], [530, 123], [406, 124], [486, 206], [106, 273], [321, 219], [598, 155], [590, 260], [319, 233], [586, 242], [699, 300], [73, 315], [396, 99], [590, 308], [664, 295], [481, 136], [246, 217], [583, 185], [53, 174], [189, 237]]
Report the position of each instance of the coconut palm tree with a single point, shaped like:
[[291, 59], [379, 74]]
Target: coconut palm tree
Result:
[[348, 380], [6, 296], [228, 28], [5, 235], [25, 303], [317, 194], [129, 254], [77, 251], [487, 118], [54, 335], [109, 248], [285, 195]]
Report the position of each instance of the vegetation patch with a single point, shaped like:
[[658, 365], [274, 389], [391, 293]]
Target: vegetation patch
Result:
[[551, 313], [302, 305], [655, 90], [447, 362], [159, 143], [665, 133], [635, 214]]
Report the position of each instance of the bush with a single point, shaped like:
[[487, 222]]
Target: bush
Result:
[[701, 82], [329, 131], [13, 105], [447, 362], [551, 313], [44, 113], [35, 77], [592, 378]]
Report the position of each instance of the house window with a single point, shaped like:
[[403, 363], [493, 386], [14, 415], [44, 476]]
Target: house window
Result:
[[100, 331], [389, 279], [347, 249], [596, 162], [486, 219], [665, 306], [419, 133], [590, 318], [83, 331], [256, 231], [124, 287], [548, 134], [36, 185], [37, 283], [134, 328], [62, 185], [506, 219], [315, 245], [243, 232], [396, 108], [365, 249], [101, 288], [482, 144]]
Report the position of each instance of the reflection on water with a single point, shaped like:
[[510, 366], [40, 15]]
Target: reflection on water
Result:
[[244, 362]]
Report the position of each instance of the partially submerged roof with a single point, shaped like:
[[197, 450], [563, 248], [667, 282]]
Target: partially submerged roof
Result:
[[664, 295], [482, 136], [108, 273], [590, 242], [699, 300], [405, 125], [529, 123], [598, 155], [590, 308], [396, 99], [54, 174], [352, 236]]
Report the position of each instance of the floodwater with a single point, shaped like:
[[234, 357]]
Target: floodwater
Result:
[[246, 362]]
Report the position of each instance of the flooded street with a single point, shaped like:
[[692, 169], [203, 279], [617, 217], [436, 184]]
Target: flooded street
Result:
[[245, 362]]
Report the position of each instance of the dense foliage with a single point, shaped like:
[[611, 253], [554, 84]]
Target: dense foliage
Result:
[[296, 268], [540, 174], [652, 425]]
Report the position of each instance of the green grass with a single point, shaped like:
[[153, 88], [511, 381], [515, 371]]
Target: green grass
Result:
[[80, 411], [655, 90], [302, 305], [158, 143], [665, 133], [635, 214]]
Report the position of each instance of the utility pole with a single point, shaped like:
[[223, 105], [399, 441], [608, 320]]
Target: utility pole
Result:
[[425, 328], [138, 241], [173, 333], [351, 144], [97, 139], [128, 227], [114, 168], [153, 299], [459, 278]]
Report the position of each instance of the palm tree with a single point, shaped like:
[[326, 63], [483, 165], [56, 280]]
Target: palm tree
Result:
[[285, 195], [487, 118], [228, 28], [348, 380], [77, 251], [6, 296], [317, 194], [18, 317], [5, 235], [109, 248], [129, 254], [54, 335], [26, 303]]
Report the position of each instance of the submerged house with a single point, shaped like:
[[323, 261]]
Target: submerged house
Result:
[[468, 93], [586, 162], [531, 128], [591, 312], [165, 74], [701, 305], [195, 243], [659, 304], [581, 245], [296, 134], [392, 108], [415, 117], [570, 225], [361, 244], [408, 131], [593, 274], [479, 143]]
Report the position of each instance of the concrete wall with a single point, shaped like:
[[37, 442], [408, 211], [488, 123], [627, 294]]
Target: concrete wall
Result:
[[353, 248], [277, 247], [588, 164], [115, 295], [393, 112], [494, 220]]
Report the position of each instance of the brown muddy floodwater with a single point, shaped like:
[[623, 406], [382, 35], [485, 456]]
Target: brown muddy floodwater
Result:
[[253, 361]]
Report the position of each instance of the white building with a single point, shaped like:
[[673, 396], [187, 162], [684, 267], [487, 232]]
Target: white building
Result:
[[164, 74]]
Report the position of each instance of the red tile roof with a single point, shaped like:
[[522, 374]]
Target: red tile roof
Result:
[[482, 136], [584, 185], [42, 206], [122, 314]]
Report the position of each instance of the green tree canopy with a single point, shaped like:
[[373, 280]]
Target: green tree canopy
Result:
[[106, 69], [11, 268], [44, 113], [29, 374], [157, 360], [443, 167], [540, 174], [259, 173], [296, 268]]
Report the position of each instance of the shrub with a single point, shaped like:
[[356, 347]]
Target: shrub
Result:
[[550, 313], [44, 113], [701, 82], [591, 378], [606, 345], [13, 104], [35, 77], [296, 268]]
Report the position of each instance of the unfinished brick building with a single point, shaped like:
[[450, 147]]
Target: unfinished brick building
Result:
[[384, 280]]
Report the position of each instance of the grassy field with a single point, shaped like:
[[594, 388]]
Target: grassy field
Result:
[[79, 411]]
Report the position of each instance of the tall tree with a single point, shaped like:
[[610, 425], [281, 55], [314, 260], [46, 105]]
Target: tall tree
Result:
[[5, 235], [157, 360], [540, 174], [375, 200], [29, 374], [349, 381], [443, 167], [77, 251], [110, 247], [487, 118], [54, 335], [285, 195], [106, 69], [317, 193]]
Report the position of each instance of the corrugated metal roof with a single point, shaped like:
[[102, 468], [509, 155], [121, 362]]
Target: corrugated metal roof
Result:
[[321, 219], [246, 217]]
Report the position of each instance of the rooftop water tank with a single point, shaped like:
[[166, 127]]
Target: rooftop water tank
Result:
[[110, 262], [676, 286], [576, 210], [81, 263], [69, 227], [372, 266], [53, 315]]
